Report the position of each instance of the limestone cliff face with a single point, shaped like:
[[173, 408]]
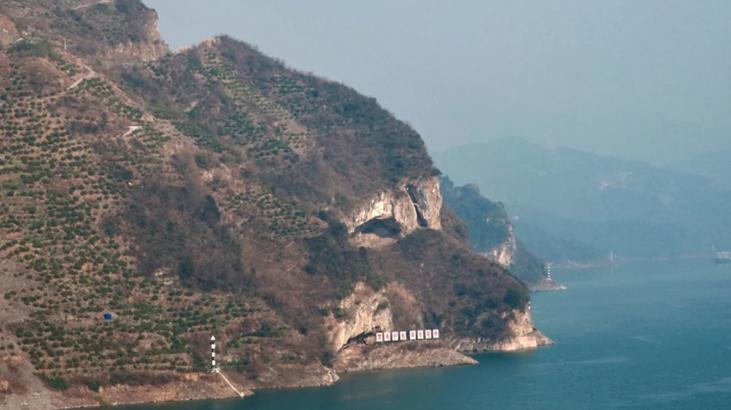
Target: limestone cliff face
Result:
[[492, 233], [366, 311], [427, 199], [363, 311], [290, 376], [394, 204], [148, 47], [363, 357], [393, 214], [504, 253], [135, 36], [522, 335], [136, 51]]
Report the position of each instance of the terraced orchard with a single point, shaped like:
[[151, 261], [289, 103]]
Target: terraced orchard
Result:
[[150, 199], [71, 151]]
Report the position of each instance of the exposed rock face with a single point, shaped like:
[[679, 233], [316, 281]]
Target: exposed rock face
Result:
[[137, 51], [523, 336], [366, 311], [504, 254], [546, 285], [290, 376], [148, 46], [491, 232], [398, 355], [427, 199], [363, 311], [394, 214], [190, 387]]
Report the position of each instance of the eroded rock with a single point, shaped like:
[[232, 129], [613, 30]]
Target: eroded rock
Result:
[[393, 214], [522, 335], [363, 311], [504, 254]]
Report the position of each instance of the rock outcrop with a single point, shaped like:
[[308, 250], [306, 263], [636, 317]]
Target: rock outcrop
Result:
[[427, 200], [366, 311], [522, 335], [363, 311], [393, 214], [291, 376], [546, 285], [504, 253], [362, 357], [491, 233], [149, 48]]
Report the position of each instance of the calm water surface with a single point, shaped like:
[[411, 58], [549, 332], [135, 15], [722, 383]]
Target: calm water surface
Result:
[[642, 335]]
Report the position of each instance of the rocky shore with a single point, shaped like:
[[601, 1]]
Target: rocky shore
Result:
[[546, 285], [360, 358], [352, 359]]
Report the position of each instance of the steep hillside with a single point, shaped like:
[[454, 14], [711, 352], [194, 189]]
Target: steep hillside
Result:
[[715, 166], [213, 192], [491, 233], [595, 203]]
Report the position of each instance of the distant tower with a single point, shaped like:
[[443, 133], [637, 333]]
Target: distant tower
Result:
[[549, 271], [213, 353]]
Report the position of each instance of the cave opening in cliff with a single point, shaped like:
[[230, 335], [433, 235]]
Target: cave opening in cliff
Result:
[[384, 228]]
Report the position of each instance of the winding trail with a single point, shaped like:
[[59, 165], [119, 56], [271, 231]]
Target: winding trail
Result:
[[131, 129], [89, 74], [217, 370]]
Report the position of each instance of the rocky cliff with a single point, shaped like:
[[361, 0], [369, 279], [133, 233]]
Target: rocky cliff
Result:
[[504, 253], [393, 214], [491, 232], [363, 312], [150, 200], [521, 335]]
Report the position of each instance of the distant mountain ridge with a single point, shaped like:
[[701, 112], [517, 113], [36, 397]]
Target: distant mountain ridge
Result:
[[491, 232], [595, 202], [716, 166]]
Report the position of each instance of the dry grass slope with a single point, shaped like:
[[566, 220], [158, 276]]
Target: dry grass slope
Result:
[[198, 193]]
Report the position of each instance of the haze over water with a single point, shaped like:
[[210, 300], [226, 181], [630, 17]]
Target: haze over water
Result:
[[642, 335]]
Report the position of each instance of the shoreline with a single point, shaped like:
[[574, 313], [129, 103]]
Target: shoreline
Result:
[[395, 357]]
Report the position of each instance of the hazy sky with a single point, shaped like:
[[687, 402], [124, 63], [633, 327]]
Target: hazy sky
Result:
[[641, 79]]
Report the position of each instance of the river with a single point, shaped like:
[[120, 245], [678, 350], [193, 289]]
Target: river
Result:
[[640, 335]]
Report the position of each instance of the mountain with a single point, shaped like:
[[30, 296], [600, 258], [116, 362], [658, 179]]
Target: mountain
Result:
[[151, 200], [715, 166], [595, 204], [491, 233]]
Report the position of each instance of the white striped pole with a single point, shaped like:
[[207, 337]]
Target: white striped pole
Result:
[[213, 353]]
